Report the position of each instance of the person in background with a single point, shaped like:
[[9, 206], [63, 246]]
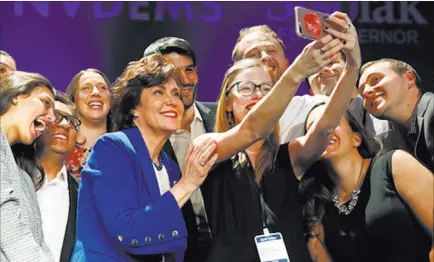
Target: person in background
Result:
[[26, 109], [263, 43], [131, 192], [90, 90], [57, 196], [324, 82], [198, 119], [7, 64], [390, 90]]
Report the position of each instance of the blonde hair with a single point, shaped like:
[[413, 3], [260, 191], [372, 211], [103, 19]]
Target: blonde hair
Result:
[[271, 143], [246, 31]]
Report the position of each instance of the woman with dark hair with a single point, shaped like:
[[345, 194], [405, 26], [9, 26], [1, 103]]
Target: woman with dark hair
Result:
[[26, 108], [91, 92], [131, 192], [362, 206]]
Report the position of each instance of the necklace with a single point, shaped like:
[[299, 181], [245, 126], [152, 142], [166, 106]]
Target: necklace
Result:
[[159, 166], [343, 208]]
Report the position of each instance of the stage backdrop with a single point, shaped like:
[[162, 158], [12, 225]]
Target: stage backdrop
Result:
[[57, 39]]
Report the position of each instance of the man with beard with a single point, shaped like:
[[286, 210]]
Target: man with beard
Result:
[[324, 82], [263, 43], [198, 119]]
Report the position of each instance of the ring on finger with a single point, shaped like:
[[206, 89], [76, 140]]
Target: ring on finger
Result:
[[202, 163], [346, 27]]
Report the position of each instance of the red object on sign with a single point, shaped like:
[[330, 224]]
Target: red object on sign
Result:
[[312, 24]]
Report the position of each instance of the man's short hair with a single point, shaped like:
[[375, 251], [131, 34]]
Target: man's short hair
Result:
[[246, 31], [4, 53], [400, 67], [167, 45], [64, 99]]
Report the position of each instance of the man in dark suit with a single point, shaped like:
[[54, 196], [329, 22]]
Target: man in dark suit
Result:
[[198, 119], [391, 90], [57, 197]]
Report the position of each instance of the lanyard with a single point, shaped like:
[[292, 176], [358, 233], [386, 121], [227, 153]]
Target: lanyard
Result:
[[263, 213]]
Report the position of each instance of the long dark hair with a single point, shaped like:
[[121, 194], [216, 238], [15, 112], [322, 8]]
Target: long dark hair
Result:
[[316, 186], [15, 84]]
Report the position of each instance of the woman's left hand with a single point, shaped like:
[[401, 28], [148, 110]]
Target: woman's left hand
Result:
[[339, 26]]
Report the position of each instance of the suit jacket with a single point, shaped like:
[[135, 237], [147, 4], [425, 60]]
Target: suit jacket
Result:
[[69, 240], [193, 253], [121, 214], [21, 227], [424, 148]]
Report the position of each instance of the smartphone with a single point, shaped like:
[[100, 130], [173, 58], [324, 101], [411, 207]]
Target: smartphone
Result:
[[309, 23]]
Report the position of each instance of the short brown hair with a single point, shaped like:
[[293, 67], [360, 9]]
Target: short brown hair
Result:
[[400, 67], [150, 71], [19, 83], [259, 28]]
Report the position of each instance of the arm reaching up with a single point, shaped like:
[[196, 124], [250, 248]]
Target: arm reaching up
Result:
[[307, 149], [263, 117]]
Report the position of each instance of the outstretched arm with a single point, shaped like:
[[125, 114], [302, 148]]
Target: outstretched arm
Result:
[[262, 119], [307, 149]]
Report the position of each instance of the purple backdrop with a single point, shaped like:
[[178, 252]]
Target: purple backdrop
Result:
[[57, 39]]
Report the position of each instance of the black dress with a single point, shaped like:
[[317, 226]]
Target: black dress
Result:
[[232, 201], [381, 227]]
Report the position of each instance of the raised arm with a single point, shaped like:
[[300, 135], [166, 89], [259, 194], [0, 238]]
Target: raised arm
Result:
[[307, 149], [262, 119]]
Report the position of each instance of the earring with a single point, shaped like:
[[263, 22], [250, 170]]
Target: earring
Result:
[[230, 119]]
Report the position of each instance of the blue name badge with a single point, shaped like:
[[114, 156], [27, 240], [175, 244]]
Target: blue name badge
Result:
[[271, 248]]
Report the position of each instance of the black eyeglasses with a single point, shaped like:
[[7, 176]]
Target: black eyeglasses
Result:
[[72, 121], [247, 88]]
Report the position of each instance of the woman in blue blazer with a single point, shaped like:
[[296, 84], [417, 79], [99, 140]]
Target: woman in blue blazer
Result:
[[131, 192]]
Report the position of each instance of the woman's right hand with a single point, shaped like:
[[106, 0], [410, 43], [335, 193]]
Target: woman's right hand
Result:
[[315, 56], [197, 163]]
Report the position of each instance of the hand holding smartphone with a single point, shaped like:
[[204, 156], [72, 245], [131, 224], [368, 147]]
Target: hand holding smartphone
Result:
[[309, 23]]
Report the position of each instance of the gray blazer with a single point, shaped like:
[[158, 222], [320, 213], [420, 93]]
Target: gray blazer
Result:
[[20, 227]]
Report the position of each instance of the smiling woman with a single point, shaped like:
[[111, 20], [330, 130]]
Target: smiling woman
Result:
[[90, 90], [26, 108], [129, 183]]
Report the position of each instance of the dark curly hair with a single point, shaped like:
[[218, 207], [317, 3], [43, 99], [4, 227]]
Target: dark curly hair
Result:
[[150, 71], [316, 186]]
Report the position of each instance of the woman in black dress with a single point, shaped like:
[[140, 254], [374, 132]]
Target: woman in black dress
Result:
[[254, 187], [360, 206]]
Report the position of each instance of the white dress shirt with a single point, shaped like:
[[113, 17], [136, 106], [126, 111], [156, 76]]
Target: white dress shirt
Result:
[[180, 141], [292, 122], [162, 179], [53, 199]]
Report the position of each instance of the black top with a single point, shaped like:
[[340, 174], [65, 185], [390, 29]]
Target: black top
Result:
[[381, 227], [232, 202]]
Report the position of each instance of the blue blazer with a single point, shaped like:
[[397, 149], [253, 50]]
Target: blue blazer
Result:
[[121, 212]]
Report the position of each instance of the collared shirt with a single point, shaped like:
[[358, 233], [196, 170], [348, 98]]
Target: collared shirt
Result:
[[53, 199], [292, 122], [162, 179], [412, 133], [180, 141]]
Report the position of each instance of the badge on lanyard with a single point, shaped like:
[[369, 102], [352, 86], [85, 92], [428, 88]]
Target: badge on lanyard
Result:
[[271, 247]]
